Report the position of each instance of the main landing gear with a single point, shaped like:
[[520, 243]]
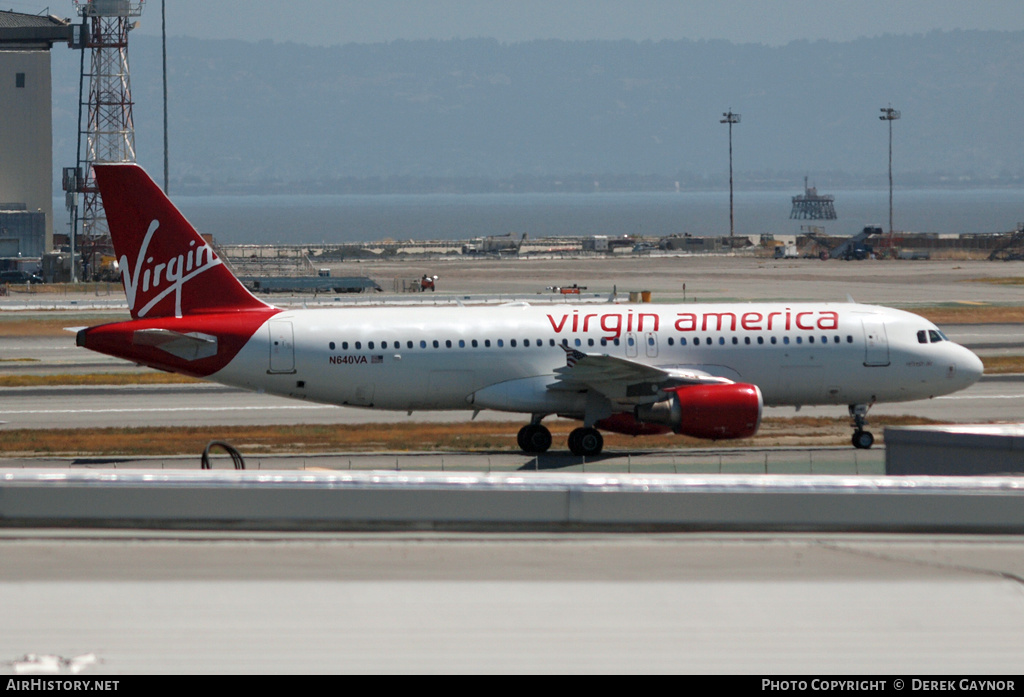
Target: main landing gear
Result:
[[535, 439], [586, 442], [862, 440]]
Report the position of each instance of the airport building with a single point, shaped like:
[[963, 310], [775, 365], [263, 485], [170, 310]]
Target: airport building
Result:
[[26, 131]]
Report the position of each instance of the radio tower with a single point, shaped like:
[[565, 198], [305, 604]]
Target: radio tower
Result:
[[106, 131]]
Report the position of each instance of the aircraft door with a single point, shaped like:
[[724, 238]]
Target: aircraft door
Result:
[[282, 347], [651, 344], [876, 344]]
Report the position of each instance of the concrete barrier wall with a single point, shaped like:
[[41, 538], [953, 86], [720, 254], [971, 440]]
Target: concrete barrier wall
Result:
[[959, 450], [387, 500]]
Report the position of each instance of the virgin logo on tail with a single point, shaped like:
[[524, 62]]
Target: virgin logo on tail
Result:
[[175, 271], [160, 253]]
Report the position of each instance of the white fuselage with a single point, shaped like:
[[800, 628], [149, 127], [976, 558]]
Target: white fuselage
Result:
[[416, 358]]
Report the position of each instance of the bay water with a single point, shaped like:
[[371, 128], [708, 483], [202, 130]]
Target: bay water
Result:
[[339, 219]]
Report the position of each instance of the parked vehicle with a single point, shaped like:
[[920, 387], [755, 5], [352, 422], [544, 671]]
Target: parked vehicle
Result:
[[19, 277]]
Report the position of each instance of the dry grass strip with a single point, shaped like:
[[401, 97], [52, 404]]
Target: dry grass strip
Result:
[[152, 377], [478, 436]]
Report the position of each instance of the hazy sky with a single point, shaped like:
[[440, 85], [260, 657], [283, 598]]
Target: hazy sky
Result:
[[773, 22]]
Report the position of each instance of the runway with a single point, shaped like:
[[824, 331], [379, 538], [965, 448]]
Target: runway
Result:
[[191, 603]]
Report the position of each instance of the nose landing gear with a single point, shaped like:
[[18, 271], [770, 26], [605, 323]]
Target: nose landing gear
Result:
[[862, 440]]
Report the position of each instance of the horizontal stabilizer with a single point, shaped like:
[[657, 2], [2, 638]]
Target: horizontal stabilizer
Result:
[[189, 347]]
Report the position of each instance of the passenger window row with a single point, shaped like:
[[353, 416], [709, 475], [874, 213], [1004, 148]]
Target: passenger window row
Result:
[[747, 341], [448, 343], [671, 341]]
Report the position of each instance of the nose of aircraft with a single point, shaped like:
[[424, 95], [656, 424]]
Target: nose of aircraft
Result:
[[969, 368]]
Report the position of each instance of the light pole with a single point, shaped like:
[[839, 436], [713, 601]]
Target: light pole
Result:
[[163, 37], [889, 114], [730, 118]]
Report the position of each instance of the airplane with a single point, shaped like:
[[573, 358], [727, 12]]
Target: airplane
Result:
[[702, 370]]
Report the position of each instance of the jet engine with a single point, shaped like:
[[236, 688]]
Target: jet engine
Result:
[[716, 412]]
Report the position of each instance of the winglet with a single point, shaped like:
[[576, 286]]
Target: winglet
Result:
[[572, 356]]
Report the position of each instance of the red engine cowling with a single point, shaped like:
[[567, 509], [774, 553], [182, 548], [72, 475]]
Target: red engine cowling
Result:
[[716, 412]]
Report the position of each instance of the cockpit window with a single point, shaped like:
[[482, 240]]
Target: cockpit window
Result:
[[930, 336]]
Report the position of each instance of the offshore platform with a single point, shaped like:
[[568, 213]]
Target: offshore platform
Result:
[[813, 206]]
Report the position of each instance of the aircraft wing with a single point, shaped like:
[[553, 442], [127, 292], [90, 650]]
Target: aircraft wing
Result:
[[622, 380]]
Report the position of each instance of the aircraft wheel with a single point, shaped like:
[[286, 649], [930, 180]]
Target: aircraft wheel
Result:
[[862, 440], [586, 442], [534, 438]]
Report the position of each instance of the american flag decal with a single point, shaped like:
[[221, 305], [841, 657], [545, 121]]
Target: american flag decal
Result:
[[376, 359], [572, 355]]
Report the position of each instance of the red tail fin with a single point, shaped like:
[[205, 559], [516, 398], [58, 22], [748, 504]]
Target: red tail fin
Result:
[[167, 269]]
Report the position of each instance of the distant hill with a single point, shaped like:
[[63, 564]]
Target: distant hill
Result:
[[477, 113]]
